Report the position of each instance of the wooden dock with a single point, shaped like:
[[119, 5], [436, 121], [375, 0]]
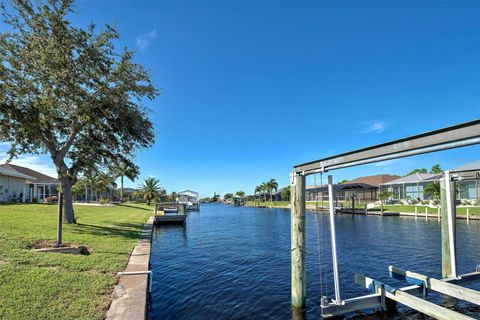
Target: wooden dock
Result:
[[170, 213], [366, 212], [170, 219]]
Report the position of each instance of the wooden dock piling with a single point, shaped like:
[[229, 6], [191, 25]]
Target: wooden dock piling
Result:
[[298, 242]]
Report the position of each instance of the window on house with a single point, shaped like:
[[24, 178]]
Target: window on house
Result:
[[466, 190]]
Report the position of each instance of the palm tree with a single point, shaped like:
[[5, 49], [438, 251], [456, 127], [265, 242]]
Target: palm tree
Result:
[[125, 171], [384, 195], [151, 189], [272, 185], [241, 194], [433, 189], [258, 189], [264, 187]]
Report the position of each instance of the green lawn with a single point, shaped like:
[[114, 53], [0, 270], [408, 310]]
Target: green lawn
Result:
[[474, 211], [37, 285], [421, 209]]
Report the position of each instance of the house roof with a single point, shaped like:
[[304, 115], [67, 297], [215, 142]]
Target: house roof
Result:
[[29, 174], [469, 166], [189, 193], [375, 180], [12, 173], [416, 177]]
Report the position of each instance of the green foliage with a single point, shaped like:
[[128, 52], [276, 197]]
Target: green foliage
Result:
[[421, 170], [100, 181], [343, 181], [215, 197], [240, 193], [385, 195], [432, 189], [79, 187], [172, 197], [228, 196], [272, 185], [436, 169], [285, 193], [151, 190], [66, 91], [126, 170]]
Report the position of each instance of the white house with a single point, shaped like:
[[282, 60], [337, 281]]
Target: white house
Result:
[[20, 184], [13, 185]]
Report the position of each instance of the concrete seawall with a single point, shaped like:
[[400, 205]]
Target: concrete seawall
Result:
[[130, 294]]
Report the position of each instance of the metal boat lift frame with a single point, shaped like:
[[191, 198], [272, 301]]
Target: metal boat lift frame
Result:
[[461, 135]]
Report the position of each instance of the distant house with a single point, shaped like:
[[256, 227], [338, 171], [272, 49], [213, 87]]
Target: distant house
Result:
[[20, 184], [469, 181], [128, 193], [363, 189], [411, 186]]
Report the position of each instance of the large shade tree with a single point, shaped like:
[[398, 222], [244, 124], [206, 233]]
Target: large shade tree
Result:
[[66, 91]]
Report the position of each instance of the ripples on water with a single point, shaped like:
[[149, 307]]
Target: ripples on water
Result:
[[234, 262]]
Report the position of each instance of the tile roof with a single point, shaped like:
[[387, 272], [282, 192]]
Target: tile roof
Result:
[[375, 180], [416, 177], [12, 173], [38, 177], [469, 166]]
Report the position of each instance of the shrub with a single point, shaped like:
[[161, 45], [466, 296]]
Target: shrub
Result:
[[104, 200]]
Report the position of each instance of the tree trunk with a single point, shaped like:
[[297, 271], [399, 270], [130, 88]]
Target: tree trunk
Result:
[[68, 214]]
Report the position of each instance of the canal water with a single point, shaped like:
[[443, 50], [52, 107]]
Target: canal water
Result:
[[234, 262]]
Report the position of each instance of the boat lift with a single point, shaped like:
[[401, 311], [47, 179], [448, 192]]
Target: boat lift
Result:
[[461, 135]]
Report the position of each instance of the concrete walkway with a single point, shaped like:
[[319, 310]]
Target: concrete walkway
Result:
[[130, 294]]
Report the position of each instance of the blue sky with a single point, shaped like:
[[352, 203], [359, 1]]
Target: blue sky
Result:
[[248, 89]]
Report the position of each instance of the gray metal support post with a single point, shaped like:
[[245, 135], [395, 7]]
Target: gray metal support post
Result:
[[298, 250], [333, 236], [448, 210]]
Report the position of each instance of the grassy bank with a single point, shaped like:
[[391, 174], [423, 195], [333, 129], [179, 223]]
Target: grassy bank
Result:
[[285, 204], [421, 210], [60, 286], [268, 203], [474, 211]]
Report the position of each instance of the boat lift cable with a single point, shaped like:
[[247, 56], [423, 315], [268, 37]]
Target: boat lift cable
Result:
[[318, 240], [316, 191], [324, 240]]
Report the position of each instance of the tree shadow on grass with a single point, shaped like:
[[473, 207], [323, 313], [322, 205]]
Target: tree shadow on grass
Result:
[[135, 207], [94, 230], [137, 226]]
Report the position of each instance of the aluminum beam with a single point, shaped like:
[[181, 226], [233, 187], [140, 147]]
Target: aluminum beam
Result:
[[440, 286], [410, 300], [456, 136]]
